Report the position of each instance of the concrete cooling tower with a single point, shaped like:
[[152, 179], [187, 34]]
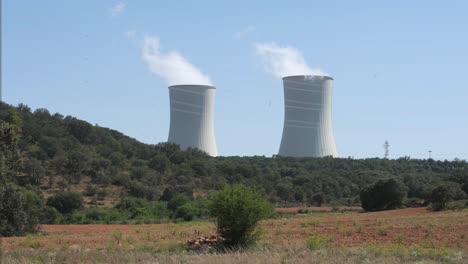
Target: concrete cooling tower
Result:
[[307, 130], [192, 117]]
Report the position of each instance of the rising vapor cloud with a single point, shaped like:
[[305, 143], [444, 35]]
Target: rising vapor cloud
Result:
[[171, 66], [284, 61], [117, 9]]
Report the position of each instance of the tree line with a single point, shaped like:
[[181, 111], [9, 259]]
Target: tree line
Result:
[[56, 150]]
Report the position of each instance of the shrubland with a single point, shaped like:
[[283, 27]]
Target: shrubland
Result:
[[120, 179]]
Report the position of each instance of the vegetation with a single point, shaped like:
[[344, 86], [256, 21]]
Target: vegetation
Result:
[[441, 195], [48, 154], [237, 211], [385, 194], [66, 202], [19, 207], [411, 235]]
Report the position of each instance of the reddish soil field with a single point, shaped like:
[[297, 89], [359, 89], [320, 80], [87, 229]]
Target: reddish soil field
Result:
[[317, 209], [412, 227]]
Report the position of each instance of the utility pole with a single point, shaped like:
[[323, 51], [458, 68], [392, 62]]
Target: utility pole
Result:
[[386, 148], [430, 154]]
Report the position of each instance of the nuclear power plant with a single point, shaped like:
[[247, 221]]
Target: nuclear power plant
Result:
[[307, 130], [192, 117]]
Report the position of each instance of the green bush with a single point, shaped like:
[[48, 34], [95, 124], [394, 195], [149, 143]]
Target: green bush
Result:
[[19, 210], [97, 215], [187, 212], [237, 211], [50, 215], [177, 201], [140, 208], [76, 217], [66, 202], [457, 205], [440, 196], [385, 194]]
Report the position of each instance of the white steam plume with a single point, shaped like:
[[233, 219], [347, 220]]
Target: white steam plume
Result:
[[284, 61], [171, 66]]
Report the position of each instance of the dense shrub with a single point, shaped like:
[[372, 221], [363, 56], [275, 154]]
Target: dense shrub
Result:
[[136, 208], [97, 215], [385, 194], [66, 202], [19, 207], [50, 215], [440, 196], [177, 201], [187, 212], [19, 210], [317, 199], [457, 205], [237, 211]]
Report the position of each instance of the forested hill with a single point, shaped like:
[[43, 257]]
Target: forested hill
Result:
[[65, 153]]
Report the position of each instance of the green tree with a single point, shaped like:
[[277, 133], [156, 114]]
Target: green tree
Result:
[[14, 118], [237, 211], [34, 170], [19, 210], [9, 152], [177, 201], [465, 188], [318, 199], [385, 194], [440, 196], [66, 202], [18, 207], [187, 212]]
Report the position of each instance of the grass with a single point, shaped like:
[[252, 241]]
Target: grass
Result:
[[383, 237], [373, 254], [316, 241]]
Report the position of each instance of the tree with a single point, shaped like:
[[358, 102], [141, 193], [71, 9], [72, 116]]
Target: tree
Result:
[[176, 201], [18, 207], [14, 118], [9, 152], [440, 196], [19, 212], [34, 171], [187, 212], [465, 188], [237, 211], [318, 199], [385, 194], [66, 202]]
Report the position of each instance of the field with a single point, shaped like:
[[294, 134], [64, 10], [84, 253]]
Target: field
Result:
[[413, 234]]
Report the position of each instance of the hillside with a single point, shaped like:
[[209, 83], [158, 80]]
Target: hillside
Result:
[[65, 153]]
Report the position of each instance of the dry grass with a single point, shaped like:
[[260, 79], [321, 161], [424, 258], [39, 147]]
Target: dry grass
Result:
[[389, 237], [260, 256]]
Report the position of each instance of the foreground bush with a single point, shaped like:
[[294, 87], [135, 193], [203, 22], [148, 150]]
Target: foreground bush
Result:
[[19, 210], [237, 211], [385, 194], [19, 207]]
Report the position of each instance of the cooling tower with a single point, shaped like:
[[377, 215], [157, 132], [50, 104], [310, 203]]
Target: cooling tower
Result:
[[307, 130], [192, 117]]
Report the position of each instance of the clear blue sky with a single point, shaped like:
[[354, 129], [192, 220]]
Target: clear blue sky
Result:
[[400, 67]]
